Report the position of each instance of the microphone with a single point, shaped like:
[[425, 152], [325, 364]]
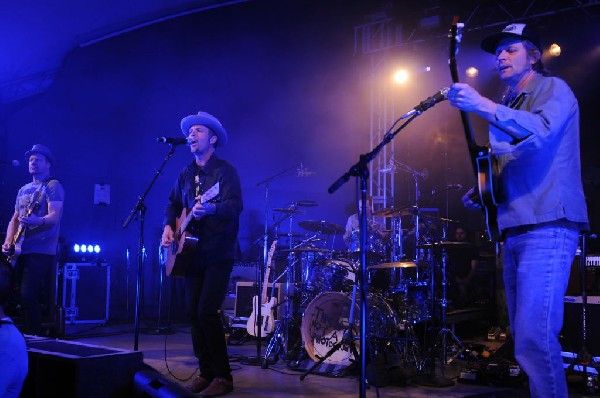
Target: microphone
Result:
[[428, 103], [13, 162], [173, 141], [449, 187]]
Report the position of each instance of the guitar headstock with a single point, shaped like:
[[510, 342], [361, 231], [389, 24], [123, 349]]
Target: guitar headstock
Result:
[[455, 36]]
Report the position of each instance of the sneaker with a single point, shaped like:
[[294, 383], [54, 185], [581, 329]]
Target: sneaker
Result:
[[199, 384], [219, 386]]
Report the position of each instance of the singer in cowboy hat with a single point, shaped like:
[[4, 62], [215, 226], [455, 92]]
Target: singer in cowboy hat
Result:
[[210, 187]]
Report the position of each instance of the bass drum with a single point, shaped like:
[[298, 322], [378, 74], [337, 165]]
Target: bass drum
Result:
[[327, 317]]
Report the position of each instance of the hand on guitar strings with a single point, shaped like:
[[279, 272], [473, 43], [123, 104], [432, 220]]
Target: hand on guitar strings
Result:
[[471, 199], [203, 209]]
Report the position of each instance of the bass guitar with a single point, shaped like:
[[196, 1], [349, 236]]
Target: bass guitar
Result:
[[484, 163], [179, 254], [266, 322]]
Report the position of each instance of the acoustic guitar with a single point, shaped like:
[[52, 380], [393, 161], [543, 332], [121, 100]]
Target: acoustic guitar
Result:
[[266, 322], [484, 163], [179, 254]]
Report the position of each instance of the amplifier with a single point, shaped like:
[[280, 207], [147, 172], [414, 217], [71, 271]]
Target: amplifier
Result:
[[592, 276], [245, 291], [572, 325]]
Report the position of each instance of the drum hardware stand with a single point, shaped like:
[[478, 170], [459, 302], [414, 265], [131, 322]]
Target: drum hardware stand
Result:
[[256, 361], [347, 338], [361, 171], [280, 338], [584, 359], [432, 380]]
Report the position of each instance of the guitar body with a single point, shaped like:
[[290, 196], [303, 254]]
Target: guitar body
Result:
[[487, 180], [15, 248], [180, 253], [267, 322]]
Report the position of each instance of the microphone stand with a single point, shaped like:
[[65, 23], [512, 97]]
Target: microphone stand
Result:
[[258, 361], [361, 171], [140, 210]]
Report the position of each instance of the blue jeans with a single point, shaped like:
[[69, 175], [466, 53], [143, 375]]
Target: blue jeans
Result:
[[537, 263]]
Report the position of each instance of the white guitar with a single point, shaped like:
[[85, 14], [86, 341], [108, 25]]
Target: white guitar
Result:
[[267, 321]]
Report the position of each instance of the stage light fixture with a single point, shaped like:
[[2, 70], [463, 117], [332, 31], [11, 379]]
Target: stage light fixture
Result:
[[472, 72], [554, 50], [401, 76]]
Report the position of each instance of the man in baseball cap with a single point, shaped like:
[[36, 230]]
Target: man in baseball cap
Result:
[[541, 209]]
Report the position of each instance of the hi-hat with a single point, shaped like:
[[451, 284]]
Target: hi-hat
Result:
[[395, 212], [445, 244], [306, 203], [301, 249], [289, 210], [398, 264], [322, 227]]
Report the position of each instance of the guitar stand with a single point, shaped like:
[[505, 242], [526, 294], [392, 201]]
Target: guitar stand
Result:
[[584, 359]]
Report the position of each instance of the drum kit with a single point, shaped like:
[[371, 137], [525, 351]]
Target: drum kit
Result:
[[320, 294]]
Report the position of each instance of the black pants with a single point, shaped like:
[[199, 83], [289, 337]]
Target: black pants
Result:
[[205, 293], [34, 277]]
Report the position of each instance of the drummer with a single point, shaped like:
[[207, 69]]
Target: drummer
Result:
[[376, 229]]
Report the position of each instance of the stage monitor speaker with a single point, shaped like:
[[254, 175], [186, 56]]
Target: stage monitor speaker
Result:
[[151, 384], [75, 370], [572, 325], [245, 291]]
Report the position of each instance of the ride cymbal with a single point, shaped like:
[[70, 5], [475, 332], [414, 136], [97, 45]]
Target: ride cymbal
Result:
[[398, 264], [322, 227]]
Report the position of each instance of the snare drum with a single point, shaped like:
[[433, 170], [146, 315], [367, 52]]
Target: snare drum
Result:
[[327, 317]]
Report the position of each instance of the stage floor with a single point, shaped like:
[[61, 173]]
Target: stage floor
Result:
[[167, 350]]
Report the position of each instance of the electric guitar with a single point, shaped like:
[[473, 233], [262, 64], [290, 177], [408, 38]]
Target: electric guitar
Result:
[[19, 236], [266, 323], [484, 163], [180, 253]]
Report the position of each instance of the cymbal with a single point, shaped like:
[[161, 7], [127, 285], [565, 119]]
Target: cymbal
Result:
[[322, 227], [306, 203], [291, 235], [395, 212], [399, 264], [289, 210], [446, 244], [301, 249]]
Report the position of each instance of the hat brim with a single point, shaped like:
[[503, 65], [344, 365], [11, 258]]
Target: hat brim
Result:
[[48, 155], [490, 43], [209, 122]]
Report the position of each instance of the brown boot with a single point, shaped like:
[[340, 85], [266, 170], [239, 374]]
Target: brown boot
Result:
[[199, 384], [219, 386]]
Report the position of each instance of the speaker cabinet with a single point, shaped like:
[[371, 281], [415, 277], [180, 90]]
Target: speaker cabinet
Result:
[[72, 370]]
